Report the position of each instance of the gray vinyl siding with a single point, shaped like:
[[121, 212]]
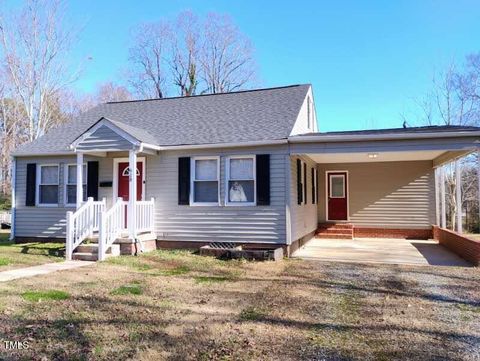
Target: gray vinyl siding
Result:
[[303, 217], [172, 222], [40, 221], [386, 194], [104, 139], [216, 223]]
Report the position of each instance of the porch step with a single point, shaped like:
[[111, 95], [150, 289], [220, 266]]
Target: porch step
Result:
[[89, 252], [331, 225], [333, 236], [146, 237], [334, 231]]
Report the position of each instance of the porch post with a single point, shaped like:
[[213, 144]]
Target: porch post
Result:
[[458, 196], [132, 199], [442, 197], [79, 179], [437, 196]]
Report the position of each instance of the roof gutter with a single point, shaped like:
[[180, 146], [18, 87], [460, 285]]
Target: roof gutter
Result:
[[19, 154], [172, 147], [364, 137]]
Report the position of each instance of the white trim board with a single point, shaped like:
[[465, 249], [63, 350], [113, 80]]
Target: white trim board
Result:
[[65, 183], [227, 179], [327, 195], [109, 124], [192, 183], [37, 185], [116, 161]]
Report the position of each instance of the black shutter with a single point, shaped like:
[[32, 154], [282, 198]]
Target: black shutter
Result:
[[263, 179], [305, 182], [92, 180], [299, 182], [31, 184], [184, 181], [313, 187]]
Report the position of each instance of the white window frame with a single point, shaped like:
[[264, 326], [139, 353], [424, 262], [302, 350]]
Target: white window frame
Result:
[[303, 181], [227, 179], [38, 184], [66, 184], [331, 188], [192, 181], [116, 162], [315, 185]]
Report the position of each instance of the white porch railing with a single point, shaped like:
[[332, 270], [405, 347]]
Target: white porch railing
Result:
[[93, 216], [82, 223], [112, 225], [145, 213]]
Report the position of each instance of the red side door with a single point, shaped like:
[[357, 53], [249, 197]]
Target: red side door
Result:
[[337, 196], [123, 177]]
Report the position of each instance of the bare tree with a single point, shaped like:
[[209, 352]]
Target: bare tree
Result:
[[11, 134], [147, 58], [191, 56], [226, 57], [454, 100], [185, 53], [35, 44], [111, 92]]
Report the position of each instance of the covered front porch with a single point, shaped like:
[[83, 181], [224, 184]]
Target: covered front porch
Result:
[[111, 216]]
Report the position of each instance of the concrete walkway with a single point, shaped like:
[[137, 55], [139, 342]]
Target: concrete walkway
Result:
[[380, 250], [41, 270]]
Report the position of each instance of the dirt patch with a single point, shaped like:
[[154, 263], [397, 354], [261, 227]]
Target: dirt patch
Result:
[[173, 305]]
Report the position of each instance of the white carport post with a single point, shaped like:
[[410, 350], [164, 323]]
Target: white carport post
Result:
[[132, 194], [442, 198], [458, 195], [79, 179], [437, 196]]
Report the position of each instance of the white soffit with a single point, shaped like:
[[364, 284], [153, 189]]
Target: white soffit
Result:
[[372, 157]]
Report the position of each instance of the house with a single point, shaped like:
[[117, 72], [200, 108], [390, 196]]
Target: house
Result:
[[243, 167]]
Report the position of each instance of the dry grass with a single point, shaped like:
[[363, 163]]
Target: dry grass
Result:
[[475, 236], [27, 254], [178, 306]]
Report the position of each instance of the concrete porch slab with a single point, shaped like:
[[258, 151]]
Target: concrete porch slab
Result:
[[380, 250]]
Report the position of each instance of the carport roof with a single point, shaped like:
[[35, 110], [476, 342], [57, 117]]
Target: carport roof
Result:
[[408, 130]]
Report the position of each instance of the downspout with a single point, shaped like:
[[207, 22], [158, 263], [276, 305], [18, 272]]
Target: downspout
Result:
[[288, 180], [14, 206]]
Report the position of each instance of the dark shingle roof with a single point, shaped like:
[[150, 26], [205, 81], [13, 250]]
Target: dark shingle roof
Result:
[[408, 130], [245, 116]]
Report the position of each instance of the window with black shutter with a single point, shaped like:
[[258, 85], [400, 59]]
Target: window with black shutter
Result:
[[31, 185], [263, 179], [184, 181]]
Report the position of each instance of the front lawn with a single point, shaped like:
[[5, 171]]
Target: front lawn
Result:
[[14, 256], [179, 306]]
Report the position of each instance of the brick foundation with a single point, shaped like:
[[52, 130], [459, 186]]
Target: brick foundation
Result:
[[467, 248], [130, 248], [163, 244], [288, 250], [39, 239], [361, 232]]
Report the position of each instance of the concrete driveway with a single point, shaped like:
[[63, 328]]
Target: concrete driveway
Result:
[[380, 250]]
